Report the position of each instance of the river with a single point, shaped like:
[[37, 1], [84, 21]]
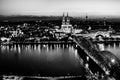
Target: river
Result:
[[112, 47], [40, 60]]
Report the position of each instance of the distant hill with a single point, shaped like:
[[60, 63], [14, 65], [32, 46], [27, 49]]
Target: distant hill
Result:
[[32, 18], [28, 18]]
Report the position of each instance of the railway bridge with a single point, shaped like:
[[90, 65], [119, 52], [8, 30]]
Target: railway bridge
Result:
[[102, 63]]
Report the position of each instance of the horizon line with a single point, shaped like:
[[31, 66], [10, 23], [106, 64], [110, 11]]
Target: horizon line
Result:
[[71, 14]]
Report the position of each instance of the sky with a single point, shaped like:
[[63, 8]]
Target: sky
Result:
[[57, 7]]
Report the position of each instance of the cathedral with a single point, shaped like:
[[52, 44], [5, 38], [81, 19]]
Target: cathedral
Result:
[[66, 27]]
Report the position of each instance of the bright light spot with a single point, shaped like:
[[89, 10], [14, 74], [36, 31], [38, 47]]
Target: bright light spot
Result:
[[107, 72], [44, 45], [113, 60]]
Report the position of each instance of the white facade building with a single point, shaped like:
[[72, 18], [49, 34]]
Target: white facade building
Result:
[[66, 27]]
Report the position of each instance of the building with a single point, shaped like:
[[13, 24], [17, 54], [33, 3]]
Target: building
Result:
[[66, 27], [17, 33]]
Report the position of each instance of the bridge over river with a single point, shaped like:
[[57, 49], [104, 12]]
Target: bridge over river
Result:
[[101, 63]]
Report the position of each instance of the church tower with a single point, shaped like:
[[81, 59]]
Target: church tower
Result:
[[66, 27], [63, 20], [67, 20]]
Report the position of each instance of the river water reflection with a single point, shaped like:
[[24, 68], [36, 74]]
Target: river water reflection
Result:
[[112, 47], [43, 60]]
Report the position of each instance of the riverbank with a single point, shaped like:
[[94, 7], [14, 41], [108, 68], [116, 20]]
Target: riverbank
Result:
[[42, 42]]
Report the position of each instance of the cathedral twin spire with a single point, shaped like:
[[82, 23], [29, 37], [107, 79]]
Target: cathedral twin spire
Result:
[[66, 20]]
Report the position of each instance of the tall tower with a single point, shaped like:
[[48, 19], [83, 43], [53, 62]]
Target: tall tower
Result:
[[67, 20], [63, 20], [86, 17], [104, 23]]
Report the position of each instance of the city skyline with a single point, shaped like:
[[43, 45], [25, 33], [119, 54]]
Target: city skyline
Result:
[[57, 7]]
